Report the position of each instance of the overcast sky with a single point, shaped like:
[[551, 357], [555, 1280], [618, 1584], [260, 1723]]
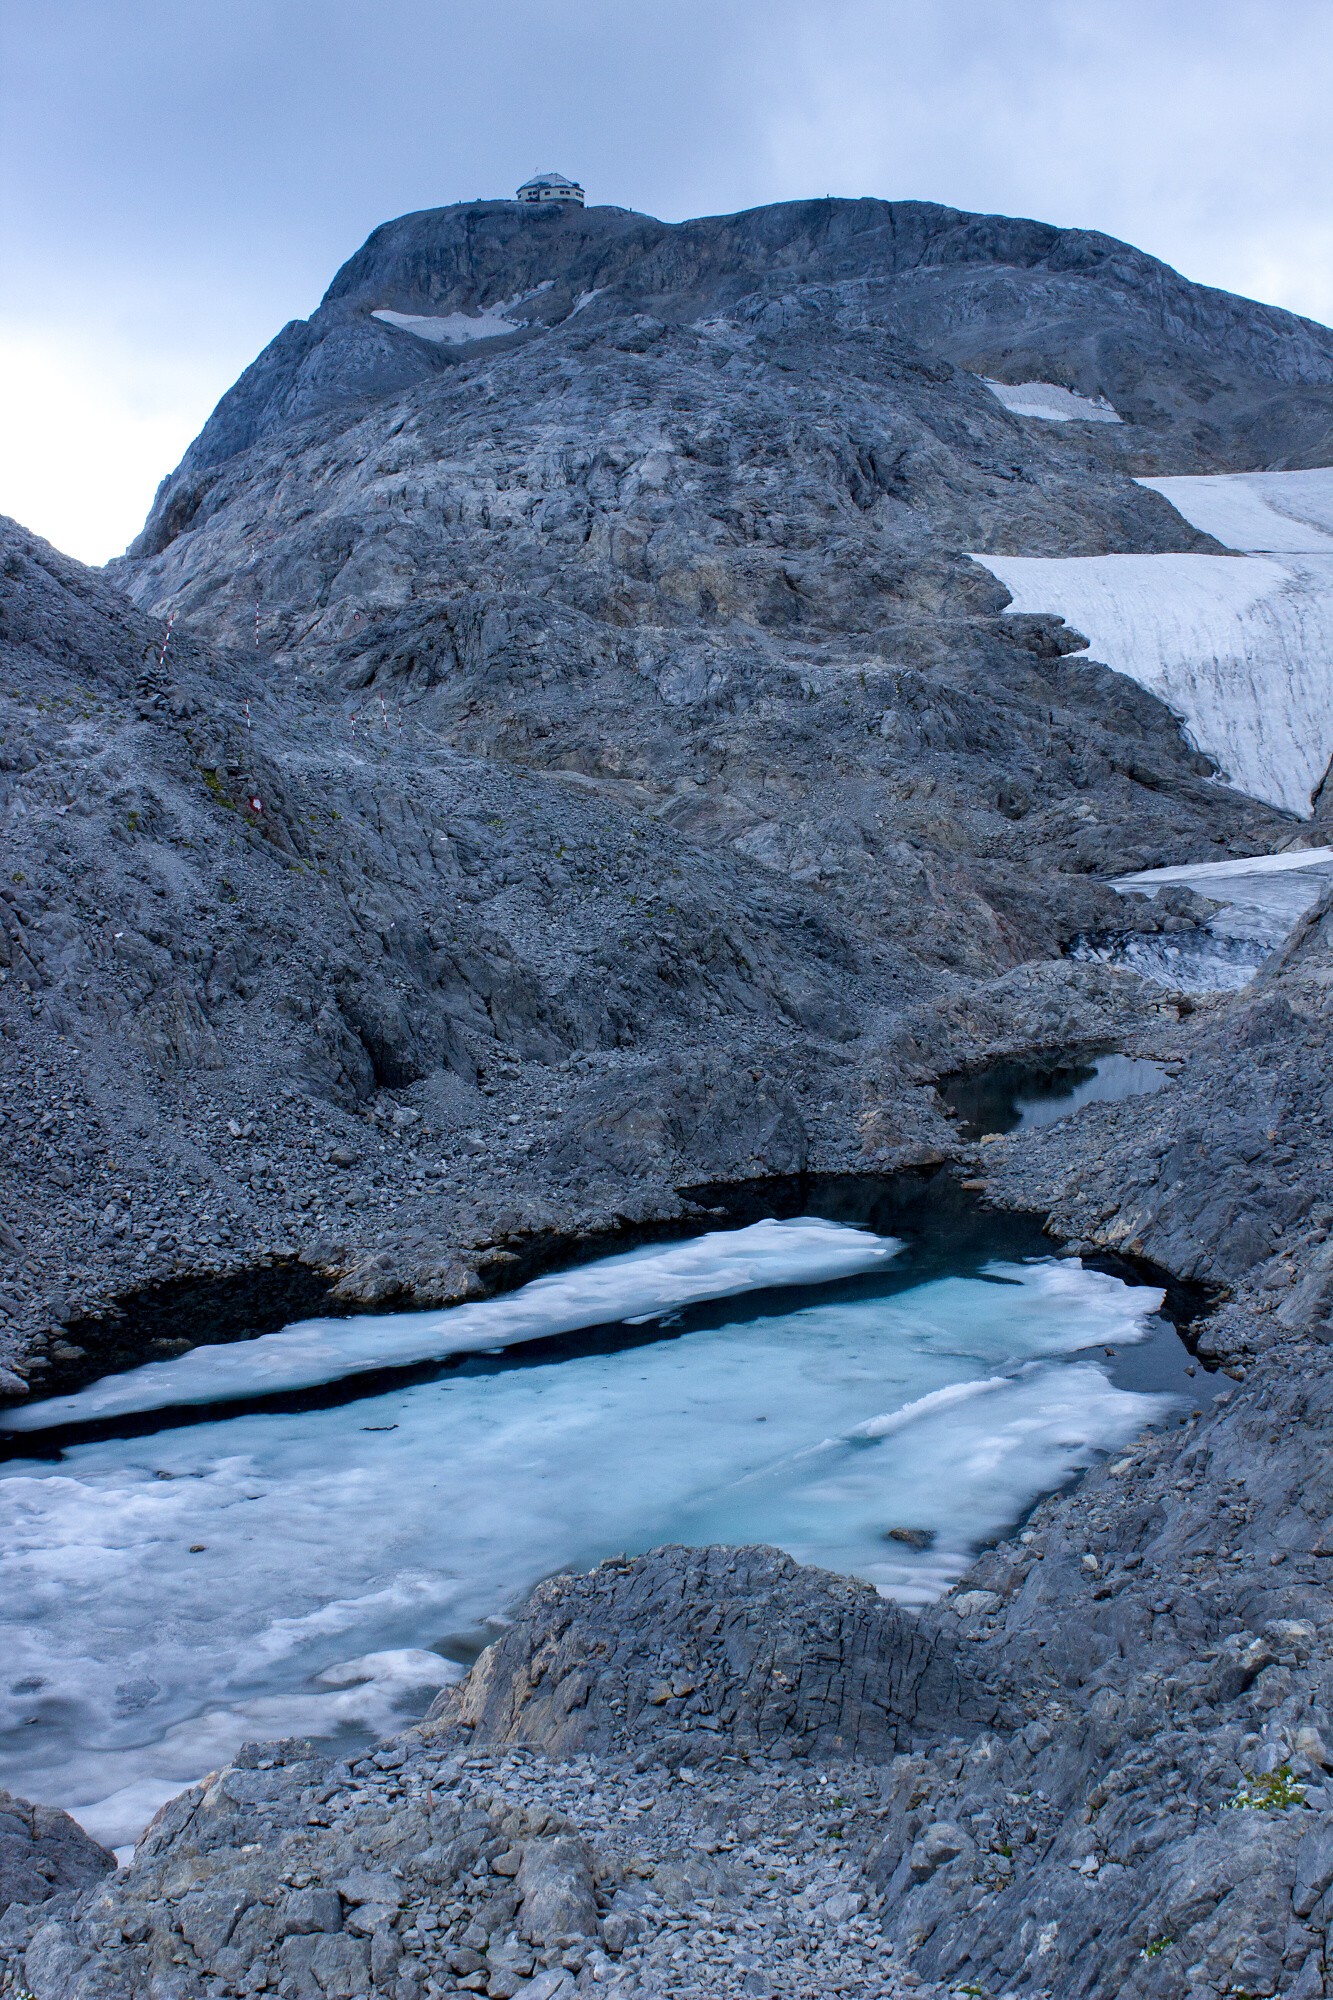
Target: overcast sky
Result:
[[180, 177]]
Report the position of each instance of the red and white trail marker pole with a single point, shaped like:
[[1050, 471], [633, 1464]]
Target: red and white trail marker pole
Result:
[[166, 640]]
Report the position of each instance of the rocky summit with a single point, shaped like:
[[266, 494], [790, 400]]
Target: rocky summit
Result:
[[552, 767]]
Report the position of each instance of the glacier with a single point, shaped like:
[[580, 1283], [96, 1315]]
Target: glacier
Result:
[[1239, 646]]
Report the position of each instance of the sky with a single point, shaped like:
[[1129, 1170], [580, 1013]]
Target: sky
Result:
[[178, 178]]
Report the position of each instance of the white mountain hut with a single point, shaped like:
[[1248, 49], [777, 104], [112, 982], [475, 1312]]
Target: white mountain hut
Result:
[[550, 187]]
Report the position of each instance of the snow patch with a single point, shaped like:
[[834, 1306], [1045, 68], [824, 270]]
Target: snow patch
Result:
[[1208, 876], [451, 329], [1054, 404], [1262, 513], [456, 329], [1238, 646]]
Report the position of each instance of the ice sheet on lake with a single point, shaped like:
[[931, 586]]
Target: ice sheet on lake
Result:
[[162, 1599], [1049, 400], [637, 1286], [1238, 646]]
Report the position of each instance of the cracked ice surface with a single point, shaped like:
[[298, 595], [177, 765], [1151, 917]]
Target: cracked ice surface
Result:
[[1049, 400], [1240, 647]]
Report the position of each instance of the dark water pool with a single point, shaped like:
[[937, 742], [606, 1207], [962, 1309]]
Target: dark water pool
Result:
[[1018, 1093]]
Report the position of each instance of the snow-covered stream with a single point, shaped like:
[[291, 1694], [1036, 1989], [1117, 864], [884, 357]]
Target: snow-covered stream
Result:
[[1239, 646], [1262, 896], [318, 1570]]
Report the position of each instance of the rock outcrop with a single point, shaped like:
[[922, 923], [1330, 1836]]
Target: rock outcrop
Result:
[[679, 1655], [44, 1852]]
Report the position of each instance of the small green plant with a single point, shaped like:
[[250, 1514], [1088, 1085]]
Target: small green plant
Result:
[[1156, 1947], [1275, 1791], [974, 1990]]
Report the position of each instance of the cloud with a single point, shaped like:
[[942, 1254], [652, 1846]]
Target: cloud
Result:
[[1198, 132], [89, 433]]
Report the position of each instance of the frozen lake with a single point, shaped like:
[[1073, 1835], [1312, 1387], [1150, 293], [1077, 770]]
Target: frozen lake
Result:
[[181, 1577]]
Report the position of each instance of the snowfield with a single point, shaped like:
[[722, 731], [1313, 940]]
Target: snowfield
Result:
[[1240, 647], [1049, 400], [1263, 513]]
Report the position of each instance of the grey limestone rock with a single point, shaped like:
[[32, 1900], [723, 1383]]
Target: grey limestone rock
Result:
[[44, 1851], [684, 1654], [556, 1887]]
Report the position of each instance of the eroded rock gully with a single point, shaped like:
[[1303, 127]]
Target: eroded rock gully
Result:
[[584, 768]]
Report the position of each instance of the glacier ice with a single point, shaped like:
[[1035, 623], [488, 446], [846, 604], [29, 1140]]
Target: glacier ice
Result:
[[1238, 646], [274, 1573], [1262, 897]]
